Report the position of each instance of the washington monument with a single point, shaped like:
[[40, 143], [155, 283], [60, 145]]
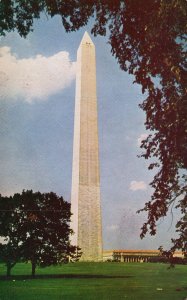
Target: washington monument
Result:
[[85, 195]]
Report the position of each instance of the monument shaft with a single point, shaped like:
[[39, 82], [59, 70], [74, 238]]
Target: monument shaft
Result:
[[85, 197]]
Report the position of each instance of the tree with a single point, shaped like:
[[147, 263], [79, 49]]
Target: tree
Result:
[[47, 229], [11, 248], [148, 40], [41, 230]]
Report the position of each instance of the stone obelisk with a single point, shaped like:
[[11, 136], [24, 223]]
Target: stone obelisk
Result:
[[85, 195]]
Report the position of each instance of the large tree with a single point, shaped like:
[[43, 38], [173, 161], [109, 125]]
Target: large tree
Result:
[[37, 230], [148, 38], [11, 247], [46, 224]]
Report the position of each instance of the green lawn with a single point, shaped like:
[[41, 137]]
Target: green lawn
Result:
[[107, 281]]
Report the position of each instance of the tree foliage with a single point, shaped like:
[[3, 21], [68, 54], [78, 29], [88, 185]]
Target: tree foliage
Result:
[[148, 40], [10, 249], [36, 229]]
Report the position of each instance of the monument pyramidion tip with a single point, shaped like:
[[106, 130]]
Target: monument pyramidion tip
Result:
[[86, 39]]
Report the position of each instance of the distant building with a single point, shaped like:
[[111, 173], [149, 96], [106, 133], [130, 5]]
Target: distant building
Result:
[[134, 255]]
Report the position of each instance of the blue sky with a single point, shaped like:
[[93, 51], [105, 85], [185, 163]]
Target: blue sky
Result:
[[37, 89]]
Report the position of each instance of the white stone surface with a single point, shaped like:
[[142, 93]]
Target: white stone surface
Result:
[[85, 196]]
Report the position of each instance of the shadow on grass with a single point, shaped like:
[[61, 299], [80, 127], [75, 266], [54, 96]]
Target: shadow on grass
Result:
[[53, 276]]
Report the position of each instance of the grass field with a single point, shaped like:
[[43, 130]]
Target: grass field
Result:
[[90, 281]]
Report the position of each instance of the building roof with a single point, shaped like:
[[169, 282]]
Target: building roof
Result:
[[140, 251], [136, 251]]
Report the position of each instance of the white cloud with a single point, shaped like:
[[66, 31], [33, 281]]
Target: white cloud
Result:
[[137, 185], [142, 137], [112, 227], [34, 78]]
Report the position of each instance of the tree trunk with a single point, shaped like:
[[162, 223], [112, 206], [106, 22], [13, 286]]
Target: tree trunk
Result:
[[33, 268], [8, 270]]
